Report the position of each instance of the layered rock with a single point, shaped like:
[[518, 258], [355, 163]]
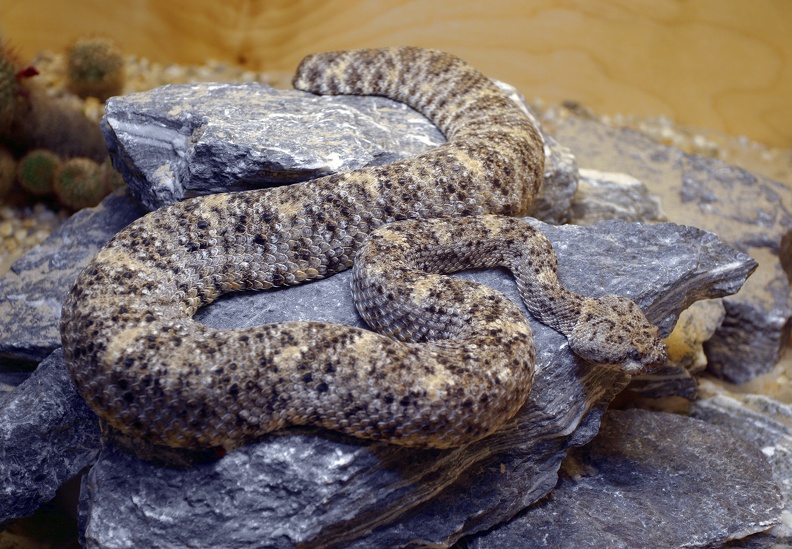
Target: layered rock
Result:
[[748, 211], [381, 495], [47, 436], [318, 488], [32, 293], [650, 480], [186, 140]]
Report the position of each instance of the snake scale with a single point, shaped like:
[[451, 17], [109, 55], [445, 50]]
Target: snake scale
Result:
[[455, 360]]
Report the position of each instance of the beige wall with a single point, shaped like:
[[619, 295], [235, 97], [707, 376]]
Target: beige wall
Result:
[[720, 64]]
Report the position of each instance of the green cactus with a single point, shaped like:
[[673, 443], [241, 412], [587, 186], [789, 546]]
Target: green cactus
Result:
[[112, 179], [7, 171], [36, 171], [8, 90], [13, 95], [58, 126], [95, 67], [31, 119], [80, 183]]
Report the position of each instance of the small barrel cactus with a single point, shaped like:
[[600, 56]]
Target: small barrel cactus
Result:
[[95, 67], [57, 125], [8, 89], [36, 171], [12, 100], [30, 118], [80, 183], [113, 180], [7, 171]]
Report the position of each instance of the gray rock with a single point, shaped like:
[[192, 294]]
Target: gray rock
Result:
[[668, 381], [747, 211], [47, 435], [32, 292], [764, 422], [317, 488], [650, 480], [553, 203], [609, 195], [185, 140]]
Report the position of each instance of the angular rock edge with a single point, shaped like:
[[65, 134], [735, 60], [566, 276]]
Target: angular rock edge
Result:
[[47, 436], [748, 211], [650, 479], [32, 293]]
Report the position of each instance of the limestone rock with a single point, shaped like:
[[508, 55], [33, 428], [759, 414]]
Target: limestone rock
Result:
[[650, 480], [318, 488], [747, 211], [47, 435], [185, 140], [32, 293]]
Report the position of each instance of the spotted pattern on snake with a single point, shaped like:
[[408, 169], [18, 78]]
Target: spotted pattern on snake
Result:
[[464, 363]]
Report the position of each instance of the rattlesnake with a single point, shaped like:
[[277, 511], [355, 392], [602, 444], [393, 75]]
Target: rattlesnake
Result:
[[144, 365]]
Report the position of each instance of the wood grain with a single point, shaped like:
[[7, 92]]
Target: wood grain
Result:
[[725, 65]]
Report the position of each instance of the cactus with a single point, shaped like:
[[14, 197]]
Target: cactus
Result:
[[36, 171], [7, 171], [113, 179], [8, 89], [30, 118], [80, 183], [13, 93], [95, 67], [60, 127]]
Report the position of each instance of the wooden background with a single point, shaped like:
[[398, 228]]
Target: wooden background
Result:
[[720, 64]]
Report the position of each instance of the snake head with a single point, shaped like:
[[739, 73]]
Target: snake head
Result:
[[614, 330]]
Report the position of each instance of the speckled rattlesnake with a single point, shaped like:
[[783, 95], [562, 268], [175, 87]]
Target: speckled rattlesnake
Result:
[[150, 370]]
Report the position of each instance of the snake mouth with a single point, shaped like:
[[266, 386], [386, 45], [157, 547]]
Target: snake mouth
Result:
[[634, 367], [646, 362]]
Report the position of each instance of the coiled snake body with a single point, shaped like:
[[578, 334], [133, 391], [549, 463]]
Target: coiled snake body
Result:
[[463, 363]]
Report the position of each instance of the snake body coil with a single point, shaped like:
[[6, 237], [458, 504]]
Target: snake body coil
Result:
[[150, 370]]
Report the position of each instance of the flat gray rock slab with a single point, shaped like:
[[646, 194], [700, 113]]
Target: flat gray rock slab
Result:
[[185, 140], [650, 480], [765, 422], [321, 489], [749, 212], [192, 139]]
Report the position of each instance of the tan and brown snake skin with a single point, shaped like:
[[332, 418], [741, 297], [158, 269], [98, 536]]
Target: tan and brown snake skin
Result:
[[466, 363]]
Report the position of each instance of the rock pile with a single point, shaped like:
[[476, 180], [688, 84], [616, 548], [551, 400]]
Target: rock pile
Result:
[[320, 489]]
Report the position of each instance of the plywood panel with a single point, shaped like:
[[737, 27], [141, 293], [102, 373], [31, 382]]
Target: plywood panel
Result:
[[720, 64]]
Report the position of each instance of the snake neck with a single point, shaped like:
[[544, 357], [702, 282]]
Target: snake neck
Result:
[[552, 304]]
